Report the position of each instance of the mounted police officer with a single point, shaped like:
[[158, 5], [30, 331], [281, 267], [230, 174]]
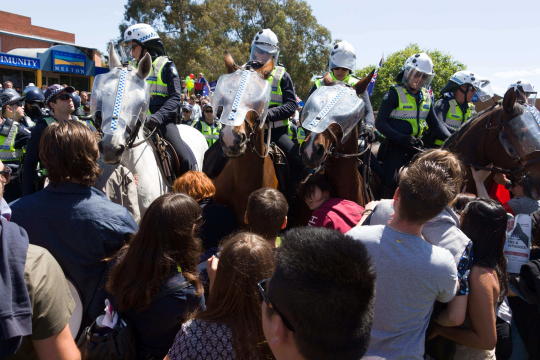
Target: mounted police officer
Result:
[[402, 117], [455, 107], [525, 89], [265, 46], [341, 65], [208, 126], [60, 104], [13, 137], [34, 106], [165, 88]]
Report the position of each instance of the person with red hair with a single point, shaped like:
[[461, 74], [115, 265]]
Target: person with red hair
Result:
[[218, 220]]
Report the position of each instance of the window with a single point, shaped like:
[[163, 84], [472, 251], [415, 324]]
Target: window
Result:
[[80, 83], [65, 79], [52, 81], [43, 80], [11, 75], [28, 77]]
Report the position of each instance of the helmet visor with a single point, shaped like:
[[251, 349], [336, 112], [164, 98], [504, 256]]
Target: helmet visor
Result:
[[125, 50], [263, 52], [531, 98], [343, 59], [520, 136], [483, 89], [416, 78]]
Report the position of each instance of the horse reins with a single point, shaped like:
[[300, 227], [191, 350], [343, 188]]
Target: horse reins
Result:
[[253, 139]]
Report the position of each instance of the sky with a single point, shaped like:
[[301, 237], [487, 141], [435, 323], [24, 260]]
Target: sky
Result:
[[495, 39]]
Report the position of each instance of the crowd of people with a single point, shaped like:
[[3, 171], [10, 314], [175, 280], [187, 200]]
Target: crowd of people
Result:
[[419, 274]]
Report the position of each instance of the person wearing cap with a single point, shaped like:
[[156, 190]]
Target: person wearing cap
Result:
[[455, 107], [60, 104], [265, 47], [13, 137], [208, 126], [404, 114], [165, 89], [341, 65], [187, 112]]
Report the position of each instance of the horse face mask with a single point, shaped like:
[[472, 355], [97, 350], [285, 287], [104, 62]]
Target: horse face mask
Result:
[[239, 93], [119, 97], [332, 104], [520, 136]]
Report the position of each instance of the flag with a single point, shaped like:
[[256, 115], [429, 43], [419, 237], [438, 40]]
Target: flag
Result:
[[431, 95], [299, 101], [371, 85]]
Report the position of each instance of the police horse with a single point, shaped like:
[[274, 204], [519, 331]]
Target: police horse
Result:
[[120, 99]]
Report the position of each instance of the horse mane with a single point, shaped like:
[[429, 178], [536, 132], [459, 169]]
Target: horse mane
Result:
[[465, 127]]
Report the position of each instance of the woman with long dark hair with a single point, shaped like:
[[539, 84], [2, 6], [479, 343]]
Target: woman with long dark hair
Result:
[[231, 326], [484, 222], [161, 258]]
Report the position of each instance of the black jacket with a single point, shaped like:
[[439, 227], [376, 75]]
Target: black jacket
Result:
[[218, 221], [164, 109]]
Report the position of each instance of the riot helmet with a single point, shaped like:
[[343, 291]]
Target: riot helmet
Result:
[[9, 96], [417, 72], [144, 36], [33, 93], [264, 47], [343, 56], [525, 87], [481, 85]]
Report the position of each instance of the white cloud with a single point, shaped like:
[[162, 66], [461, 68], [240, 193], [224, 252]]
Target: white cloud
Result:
[[498, 90], [516, 73]]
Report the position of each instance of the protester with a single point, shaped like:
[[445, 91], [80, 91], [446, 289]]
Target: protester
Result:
[[266, 214], [197, 113], [75, 222], [319, 302], [84, 98], [167, 242], [184, 88], [231, 327], [8, 85], [218, 220], [44, 87], [519, 204], [484, 222], [36, 301], [329, 211], [200, 83], [402, 257]]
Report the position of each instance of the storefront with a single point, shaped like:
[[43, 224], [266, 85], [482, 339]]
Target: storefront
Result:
[[61, 64]]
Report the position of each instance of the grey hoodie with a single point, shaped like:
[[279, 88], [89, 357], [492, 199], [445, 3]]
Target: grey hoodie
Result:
[[442, 231]]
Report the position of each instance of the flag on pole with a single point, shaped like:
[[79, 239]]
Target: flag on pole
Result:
[[299, 101], [371, 85]]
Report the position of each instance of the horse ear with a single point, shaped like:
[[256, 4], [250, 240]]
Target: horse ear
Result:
[[327, 79], [144, 67], [267, 69], [509, 100], [114, 61], [362, 85], [229, 63]]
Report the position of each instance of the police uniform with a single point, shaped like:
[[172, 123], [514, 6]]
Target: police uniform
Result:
[[165, 91], [402, 114], [210, 131], [13, 138], [452, 114]]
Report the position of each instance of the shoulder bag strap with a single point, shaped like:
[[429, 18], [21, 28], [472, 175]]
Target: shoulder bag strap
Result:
[[169, 291]]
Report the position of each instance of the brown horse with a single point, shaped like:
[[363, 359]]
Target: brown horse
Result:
[[341, 170], [249, 167], [478, 144]]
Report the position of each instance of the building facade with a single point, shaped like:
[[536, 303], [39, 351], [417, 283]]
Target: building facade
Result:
[[34, 54]]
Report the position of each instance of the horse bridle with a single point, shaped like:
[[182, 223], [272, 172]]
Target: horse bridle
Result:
[[253, 139]]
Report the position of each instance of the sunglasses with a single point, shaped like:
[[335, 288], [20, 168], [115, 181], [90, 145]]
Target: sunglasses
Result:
[[340, 68], [6, 174], [186, 110], [208, 111], [264, 297], [63, 97]]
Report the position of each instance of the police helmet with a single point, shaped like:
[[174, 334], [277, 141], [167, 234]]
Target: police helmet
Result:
[[33, 93], [265, 45], [145, 36], [9, 96]]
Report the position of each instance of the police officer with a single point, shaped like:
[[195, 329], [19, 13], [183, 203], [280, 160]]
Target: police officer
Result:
[[524, 90], [60, 104], [264, 47], [208, 127], [455, 107], [13, 137], [402, 117], [165, 88], [34, 106], [341, 66]]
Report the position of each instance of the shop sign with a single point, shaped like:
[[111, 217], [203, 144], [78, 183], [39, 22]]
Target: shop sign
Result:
[[19, 61], [69, 63]]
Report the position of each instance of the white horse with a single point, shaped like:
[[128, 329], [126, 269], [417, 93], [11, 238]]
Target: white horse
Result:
[[121, 98]]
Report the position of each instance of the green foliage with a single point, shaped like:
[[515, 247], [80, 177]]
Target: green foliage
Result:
[[445, 67], [219, 25]]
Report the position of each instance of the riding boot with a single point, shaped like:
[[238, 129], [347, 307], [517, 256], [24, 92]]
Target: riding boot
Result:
[[170, 132], [292, 152]]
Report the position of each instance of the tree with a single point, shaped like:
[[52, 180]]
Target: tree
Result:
[[195, 33], [445, 67]]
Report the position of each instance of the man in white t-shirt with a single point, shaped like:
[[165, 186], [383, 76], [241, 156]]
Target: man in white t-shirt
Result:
[[411, 273]]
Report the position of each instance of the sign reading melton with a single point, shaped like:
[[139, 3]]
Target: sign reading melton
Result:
[[69, 63], [19, 61]]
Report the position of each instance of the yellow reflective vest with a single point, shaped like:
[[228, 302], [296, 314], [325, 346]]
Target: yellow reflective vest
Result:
[[211, 134], [8, 153], [455, 117], [408, 111], [276, 95]]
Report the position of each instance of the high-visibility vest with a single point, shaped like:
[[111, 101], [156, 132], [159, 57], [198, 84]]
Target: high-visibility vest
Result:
[[8, 153], [455, 117], [157, 86], [349, 79], [276, 96], [300, 135], [210, 134], [408, 111]]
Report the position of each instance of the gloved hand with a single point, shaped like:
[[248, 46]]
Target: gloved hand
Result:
[[407, 142], [369, 133], [151, 124]]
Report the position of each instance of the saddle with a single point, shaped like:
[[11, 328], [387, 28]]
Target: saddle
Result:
[[167, 158]]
